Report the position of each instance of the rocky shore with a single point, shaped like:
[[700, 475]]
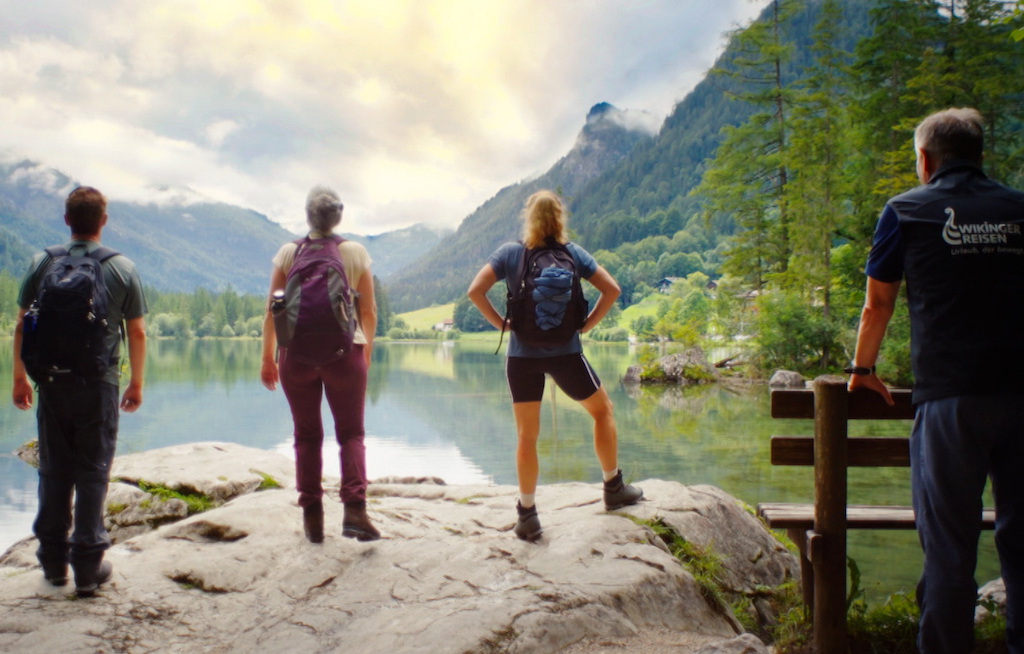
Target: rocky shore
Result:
[[209, 556]]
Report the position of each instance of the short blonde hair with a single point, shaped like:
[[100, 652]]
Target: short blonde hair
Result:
[[544, 217]]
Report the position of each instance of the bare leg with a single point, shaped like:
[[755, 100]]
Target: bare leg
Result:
[[527, 415], [599, 406]]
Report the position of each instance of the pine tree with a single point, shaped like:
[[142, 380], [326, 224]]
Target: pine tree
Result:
[[818, 190], [748, 175]]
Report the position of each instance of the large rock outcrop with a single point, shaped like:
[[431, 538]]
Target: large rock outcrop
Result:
[[684, 368], [448, 576]]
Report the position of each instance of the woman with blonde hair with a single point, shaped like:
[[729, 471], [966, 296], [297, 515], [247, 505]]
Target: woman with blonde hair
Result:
[[526, 364]]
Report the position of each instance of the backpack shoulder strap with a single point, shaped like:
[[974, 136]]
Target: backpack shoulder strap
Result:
[[516, 278], [103, 253], [300, 243], [56, 251]]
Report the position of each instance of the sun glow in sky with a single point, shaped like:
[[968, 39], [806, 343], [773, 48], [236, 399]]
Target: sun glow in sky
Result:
[[414, 110]]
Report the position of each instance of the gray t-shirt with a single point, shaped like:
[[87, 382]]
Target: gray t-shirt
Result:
[[125, 299]]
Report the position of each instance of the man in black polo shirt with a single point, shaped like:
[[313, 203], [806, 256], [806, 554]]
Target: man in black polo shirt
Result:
[[958, 241]]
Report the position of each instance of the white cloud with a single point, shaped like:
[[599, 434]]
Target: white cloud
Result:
[[415, 110], [220, 130]]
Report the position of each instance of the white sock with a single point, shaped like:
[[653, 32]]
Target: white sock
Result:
[[526, 500], [610, 474]]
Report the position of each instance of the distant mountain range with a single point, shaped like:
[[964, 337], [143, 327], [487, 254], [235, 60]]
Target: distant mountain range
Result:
[[620, 181], [443, 274], [177, 246], [623, 181]]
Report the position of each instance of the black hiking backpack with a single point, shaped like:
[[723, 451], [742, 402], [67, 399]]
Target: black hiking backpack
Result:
[[545, 305], [64, 332], [315, 318]]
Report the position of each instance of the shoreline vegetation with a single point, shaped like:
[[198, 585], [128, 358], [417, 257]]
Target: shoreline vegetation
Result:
[[751, 336]]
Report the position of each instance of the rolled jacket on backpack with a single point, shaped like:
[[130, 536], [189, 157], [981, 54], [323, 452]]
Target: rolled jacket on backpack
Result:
[[551, 293]]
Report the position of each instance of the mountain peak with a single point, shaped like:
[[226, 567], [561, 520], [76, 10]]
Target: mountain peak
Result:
[[599, 110], [607, 116]]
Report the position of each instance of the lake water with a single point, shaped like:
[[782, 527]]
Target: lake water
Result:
[[443, 410]]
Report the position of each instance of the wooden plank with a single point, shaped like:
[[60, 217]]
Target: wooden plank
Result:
[[862, 404], [861, 452], [782, 515]]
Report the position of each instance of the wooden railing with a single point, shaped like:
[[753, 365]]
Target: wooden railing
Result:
[[819, 529]]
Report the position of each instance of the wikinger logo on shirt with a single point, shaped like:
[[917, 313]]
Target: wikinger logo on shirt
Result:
[[976, 233]]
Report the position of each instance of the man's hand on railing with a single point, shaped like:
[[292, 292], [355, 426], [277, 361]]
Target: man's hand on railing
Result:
[[870, 382]]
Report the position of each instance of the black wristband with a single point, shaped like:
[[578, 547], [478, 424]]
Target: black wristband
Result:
[[859, 370]]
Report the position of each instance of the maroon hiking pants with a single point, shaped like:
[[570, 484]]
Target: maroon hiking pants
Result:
[[344, 383]]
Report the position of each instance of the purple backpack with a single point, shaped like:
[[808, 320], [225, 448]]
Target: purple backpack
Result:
[[317, 319]]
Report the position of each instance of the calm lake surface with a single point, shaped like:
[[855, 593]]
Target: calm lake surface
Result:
[[443, 410]]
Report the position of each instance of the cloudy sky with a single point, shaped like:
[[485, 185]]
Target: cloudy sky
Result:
[[414, 110]]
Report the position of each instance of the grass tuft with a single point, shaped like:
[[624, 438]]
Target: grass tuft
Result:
[[196, 502]]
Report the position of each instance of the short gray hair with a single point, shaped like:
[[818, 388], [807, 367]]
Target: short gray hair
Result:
[[952, 134], [323, 209]]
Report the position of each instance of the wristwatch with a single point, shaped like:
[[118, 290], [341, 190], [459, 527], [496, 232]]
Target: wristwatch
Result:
[[859, 370]]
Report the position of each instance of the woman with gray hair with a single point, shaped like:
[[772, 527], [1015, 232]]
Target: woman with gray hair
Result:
[[341, 377]]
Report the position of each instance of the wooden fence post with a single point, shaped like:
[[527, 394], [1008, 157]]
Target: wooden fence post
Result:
[[827, 543]]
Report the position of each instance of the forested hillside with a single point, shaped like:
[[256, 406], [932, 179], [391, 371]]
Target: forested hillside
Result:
[[752, 209], [801, 181], [445, 272], [643, 193], [648, 193], [394, 250], [177, 246]]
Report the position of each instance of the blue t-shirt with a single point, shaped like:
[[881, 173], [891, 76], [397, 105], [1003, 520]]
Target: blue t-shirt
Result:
[[504, 262], [885, 261]]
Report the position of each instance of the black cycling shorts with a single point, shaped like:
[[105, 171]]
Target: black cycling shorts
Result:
[[570, 372]]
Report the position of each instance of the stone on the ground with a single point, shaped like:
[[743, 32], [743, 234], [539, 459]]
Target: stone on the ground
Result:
[[688, 367], [220, 471], [745, 644], [29, 453], [448, 577], [991, 596], [786, 379]]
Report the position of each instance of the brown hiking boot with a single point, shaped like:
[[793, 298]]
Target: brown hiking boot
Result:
[[356, 523], [618, 493], [313, 522], [89, 578]]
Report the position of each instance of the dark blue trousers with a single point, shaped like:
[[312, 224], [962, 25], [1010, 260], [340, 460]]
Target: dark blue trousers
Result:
[[956, 445], [77, 437]]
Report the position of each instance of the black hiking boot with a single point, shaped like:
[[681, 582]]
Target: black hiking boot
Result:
[[88, 580], [528, 525], [313, 522], [356, 523], [56, 574], [618, 493]]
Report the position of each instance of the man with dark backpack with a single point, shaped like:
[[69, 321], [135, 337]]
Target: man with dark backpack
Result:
[[73, 302], [547, 313]]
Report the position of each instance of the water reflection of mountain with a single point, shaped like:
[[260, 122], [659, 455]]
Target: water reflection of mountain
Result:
[[716, 434], [422, 393]]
